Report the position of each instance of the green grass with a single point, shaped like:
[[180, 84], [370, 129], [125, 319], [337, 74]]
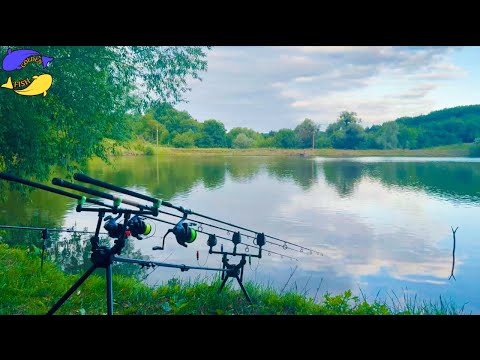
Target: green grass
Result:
[[140, 147], [25, 289]]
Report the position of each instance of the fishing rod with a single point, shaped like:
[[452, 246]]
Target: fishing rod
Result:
[[243, 228], [284, 247], [49, 229], [117, 201], [102, 256], [218, 236], [89, 180], [81, 199], [182, 230]]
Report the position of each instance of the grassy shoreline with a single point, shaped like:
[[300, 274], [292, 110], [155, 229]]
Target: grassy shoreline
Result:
[[145, 148], [28, 290]]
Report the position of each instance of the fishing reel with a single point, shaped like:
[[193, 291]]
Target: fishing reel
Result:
[[136, 226], [183, 232]]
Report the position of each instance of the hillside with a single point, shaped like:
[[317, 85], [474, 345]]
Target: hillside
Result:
[[455, 125]]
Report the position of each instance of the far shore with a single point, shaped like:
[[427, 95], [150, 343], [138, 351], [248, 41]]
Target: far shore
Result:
[[457, 150]]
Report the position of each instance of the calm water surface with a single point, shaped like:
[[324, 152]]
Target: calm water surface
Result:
[[382, 225]]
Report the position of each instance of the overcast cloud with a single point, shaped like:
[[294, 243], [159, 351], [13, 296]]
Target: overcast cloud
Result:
[[268, 88]]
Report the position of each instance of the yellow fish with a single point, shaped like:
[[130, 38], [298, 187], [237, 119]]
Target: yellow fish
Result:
[[39, 85]]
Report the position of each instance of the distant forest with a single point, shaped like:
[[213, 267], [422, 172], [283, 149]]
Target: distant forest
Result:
[[168, 126]]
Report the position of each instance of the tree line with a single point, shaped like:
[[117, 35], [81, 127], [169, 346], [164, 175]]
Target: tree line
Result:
[[95, 86], [168, 126]]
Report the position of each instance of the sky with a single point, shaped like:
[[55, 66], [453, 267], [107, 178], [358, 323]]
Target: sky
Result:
[[269, 88]]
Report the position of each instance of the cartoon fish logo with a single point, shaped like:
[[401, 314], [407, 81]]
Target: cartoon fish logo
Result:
[[15, 59], [39, 85]]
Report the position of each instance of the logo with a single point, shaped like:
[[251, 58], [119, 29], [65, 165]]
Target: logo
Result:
[[18, 60]]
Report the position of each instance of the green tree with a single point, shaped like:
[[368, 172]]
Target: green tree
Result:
[[388, 138], [93, 87], [184, 140], [176, 122], [213, 135], [306, 132], [286, 138], [267, 141], [407, 137], [322, 140], [146, 127], [475, 148], [242, 141], [252, 134], [345, 119], [346, 132]]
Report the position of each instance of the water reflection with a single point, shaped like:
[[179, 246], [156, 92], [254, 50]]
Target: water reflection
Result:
[[452, 180], [343, 176], [380, 224], [304, 173]]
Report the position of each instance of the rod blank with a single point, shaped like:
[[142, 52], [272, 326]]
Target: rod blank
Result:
[[89, 180], [64, 183], [49, 229], [49, 188]]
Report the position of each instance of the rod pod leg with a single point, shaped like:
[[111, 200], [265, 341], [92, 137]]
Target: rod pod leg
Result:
[[108, 271], [72, 290], [223, 284], [244, 290]]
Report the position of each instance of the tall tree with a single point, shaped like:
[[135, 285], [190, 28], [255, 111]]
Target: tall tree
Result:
[[213, 134], [93, 87], [286, 138], [346, 132], [306, 132], [176, 122], [388, 138], [249, 133], [242, 141]]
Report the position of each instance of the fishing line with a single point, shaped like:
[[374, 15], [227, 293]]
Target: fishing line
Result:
[[49, 229], [156, 203], [240, 227], [206, 260], [155, 267], [250, 236], [224, 238], [256, 268]]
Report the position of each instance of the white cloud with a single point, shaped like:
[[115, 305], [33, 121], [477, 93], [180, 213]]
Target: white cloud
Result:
[[296, 60], [269, 88]]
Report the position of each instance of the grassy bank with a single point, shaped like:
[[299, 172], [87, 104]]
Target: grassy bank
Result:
[[25, 289], [144, 148]]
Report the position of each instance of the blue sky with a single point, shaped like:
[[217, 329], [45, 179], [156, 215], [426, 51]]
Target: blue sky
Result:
[[269, 88]]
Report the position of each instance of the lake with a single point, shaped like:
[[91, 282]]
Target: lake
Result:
[[382, 226]]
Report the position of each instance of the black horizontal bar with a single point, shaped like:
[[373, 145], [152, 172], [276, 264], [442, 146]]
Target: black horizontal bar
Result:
[[155, 263], [236, 254]]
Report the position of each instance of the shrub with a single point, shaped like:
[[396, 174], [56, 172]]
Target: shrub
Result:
[[475, 148], [148, 150]]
